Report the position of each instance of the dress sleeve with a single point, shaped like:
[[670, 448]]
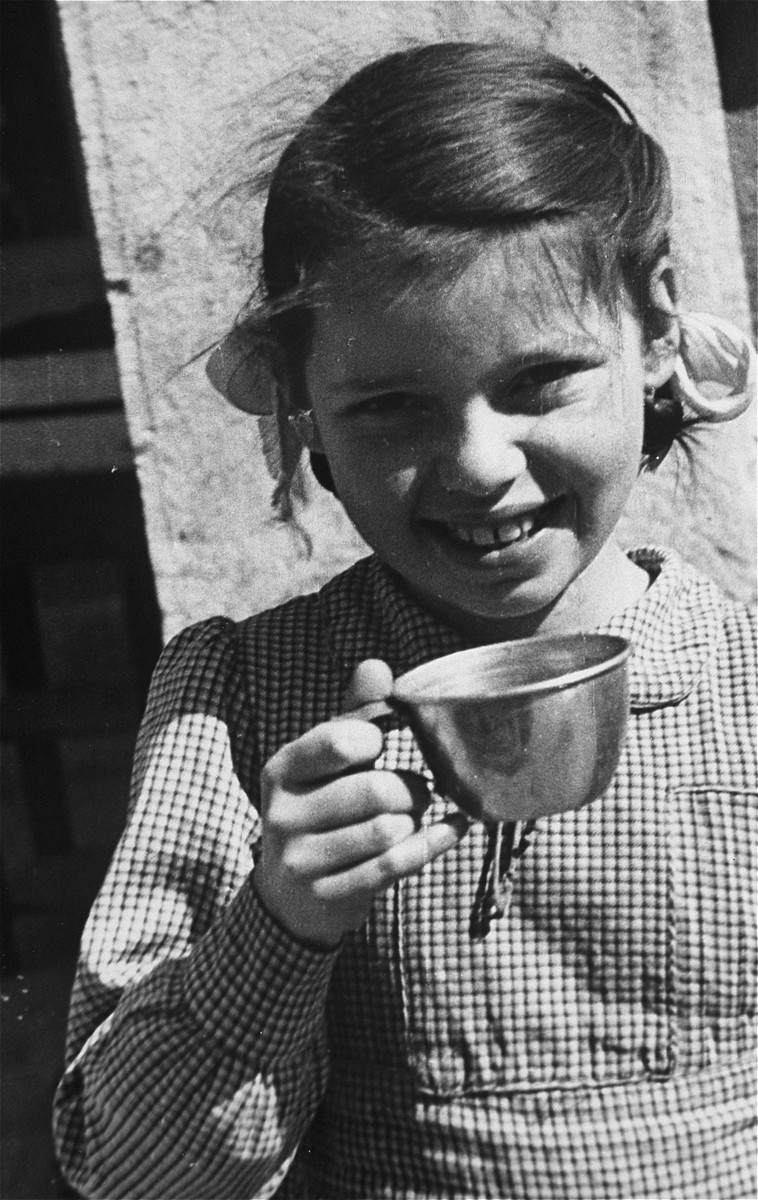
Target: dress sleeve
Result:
[[196, 1052]]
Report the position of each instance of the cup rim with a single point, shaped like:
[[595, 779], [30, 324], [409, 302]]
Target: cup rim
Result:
[[616, 652]]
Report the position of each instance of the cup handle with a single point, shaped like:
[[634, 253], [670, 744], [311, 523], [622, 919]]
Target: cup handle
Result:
[[375, 711], [384, 714]]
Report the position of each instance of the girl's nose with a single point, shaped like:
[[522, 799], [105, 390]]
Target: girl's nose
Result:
[[484, 453]]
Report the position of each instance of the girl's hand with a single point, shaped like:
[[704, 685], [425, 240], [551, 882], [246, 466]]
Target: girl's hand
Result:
[[336, 832]]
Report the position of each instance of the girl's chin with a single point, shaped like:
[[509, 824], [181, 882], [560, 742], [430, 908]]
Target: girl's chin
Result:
[[493, 609], [558, 592]]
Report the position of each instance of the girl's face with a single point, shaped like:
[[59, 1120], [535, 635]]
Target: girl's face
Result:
[[484, 436]]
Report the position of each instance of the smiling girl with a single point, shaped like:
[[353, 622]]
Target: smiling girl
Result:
[[467, 317], [484, 438]]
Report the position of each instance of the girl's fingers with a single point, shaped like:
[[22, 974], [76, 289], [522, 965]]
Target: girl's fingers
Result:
[[353, 799], [372, 680], [323, 752], [347, 801], [327, 853], [404, 858]]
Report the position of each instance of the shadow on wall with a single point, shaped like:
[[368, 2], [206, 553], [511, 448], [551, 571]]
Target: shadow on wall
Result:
[[79, 622], [735, 34]]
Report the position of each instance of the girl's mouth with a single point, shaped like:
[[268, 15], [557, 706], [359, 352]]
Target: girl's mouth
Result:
[[488, 537]]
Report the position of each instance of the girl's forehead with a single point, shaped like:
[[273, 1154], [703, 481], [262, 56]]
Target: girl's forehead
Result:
[[533, 278]]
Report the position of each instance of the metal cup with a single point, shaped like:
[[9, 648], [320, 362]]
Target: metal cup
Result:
[[520, 729]]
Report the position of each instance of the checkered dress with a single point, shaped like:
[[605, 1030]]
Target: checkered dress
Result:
[[596, 1044]]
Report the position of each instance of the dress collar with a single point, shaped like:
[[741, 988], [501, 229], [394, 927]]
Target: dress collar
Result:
[[674, 627]]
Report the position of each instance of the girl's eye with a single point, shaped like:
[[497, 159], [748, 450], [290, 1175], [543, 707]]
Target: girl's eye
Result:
[[543, 375], [545, 386], [391, 404]]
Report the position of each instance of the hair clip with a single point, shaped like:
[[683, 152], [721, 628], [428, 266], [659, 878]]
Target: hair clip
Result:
[[609, 94], [238, 373]]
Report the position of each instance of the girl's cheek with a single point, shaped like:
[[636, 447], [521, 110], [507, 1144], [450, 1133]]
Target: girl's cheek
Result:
[[370, 478]]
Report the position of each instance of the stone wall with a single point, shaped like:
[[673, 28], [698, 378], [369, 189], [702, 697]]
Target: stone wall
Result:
[[171, 96]]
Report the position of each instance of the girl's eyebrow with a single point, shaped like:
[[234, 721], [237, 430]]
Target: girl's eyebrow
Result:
[[564, 351], [572, 347], [373, 383], [585, 349]]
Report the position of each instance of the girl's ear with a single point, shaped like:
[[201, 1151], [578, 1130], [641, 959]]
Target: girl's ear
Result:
[[661, 326]]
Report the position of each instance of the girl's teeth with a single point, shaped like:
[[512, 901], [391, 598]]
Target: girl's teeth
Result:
[[496, 535]]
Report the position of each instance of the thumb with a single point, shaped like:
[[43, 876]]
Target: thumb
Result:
[[372, 680]]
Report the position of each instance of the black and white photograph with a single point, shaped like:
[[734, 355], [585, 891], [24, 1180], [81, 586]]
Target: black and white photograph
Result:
[[379, 720]]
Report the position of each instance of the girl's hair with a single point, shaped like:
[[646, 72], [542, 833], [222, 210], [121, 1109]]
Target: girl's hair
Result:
[[423, 157]]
